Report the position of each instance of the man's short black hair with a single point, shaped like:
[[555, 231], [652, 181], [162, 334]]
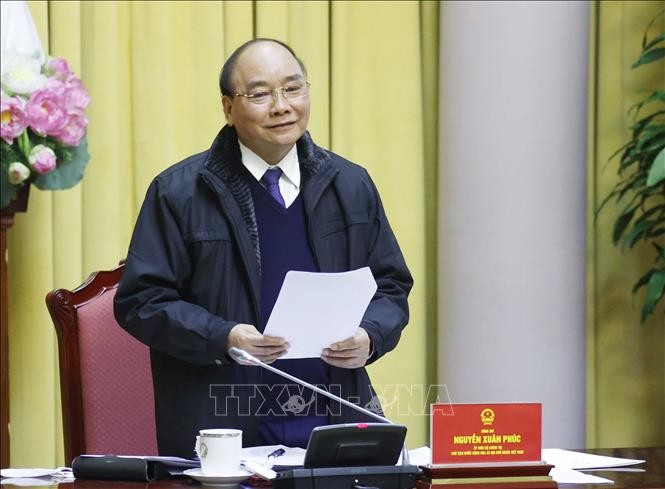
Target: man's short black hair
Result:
[[225, 84]]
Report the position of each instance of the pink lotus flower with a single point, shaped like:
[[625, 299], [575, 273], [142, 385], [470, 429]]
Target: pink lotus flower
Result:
[[74, 130], [42, 159], [76, 98], [72, 80], [13, 118], [56, 86], [59, 68], [17, 173], [42, 115], [46, 110]]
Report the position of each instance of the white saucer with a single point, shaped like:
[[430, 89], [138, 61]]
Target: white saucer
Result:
[[228, 481]]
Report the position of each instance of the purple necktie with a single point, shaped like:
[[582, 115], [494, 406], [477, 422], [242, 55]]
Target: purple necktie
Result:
[[271, 180]]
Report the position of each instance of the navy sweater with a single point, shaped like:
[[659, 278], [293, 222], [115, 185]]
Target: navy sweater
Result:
[[290, 411]]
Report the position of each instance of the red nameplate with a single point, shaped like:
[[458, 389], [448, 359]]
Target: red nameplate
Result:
[[481, 433]]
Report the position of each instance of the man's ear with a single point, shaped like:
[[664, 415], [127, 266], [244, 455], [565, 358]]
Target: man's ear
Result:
[[227, 103]]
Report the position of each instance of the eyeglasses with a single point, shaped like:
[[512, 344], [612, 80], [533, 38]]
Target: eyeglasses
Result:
[[264, 96]]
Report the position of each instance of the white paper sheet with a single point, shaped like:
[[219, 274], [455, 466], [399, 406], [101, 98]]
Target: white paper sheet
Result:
[[314, 310], [292, 457], [570, 476], [575, 460], [35, 477], [418, 456], [564, 460]]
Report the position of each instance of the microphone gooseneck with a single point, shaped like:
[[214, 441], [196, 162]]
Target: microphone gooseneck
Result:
[[241, 356]]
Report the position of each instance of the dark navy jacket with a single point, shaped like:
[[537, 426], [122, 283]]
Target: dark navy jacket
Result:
[[193, 273]]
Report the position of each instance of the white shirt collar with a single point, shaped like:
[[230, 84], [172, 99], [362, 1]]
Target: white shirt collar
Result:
[[289, 165]]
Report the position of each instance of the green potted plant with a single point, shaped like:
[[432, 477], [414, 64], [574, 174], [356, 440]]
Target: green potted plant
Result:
[[641, 187]]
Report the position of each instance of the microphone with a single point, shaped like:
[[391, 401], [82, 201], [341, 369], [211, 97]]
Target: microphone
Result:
[[245, 358]]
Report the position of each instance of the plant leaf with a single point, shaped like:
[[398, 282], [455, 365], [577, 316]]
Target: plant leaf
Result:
[[68, 173], [653, 42], [639, 229], [646, 31], [654, 293], [649, 57], [646, 212], [7, 190], [636, 183], [654, 233], [657, 171], [621, 224], [654, 130], [643, 280], [657, 95], [660, 250], [639, 124]]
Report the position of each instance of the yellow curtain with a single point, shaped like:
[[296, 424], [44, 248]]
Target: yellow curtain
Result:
[[626, 360], [151, 69]]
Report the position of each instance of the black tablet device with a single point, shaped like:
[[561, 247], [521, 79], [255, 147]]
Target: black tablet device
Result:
[[354, 444]]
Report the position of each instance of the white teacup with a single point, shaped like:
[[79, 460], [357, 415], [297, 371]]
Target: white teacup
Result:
[[219, 451]]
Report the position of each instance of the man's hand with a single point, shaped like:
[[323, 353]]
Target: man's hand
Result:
[[352, 352], [265, 348]]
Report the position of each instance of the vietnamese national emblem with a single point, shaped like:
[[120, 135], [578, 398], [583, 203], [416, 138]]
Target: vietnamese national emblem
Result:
[[487, 416]]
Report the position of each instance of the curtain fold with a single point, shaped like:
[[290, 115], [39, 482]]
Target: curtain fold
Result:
[[151, 69], [429, 48], [377, 121], [304, 26]]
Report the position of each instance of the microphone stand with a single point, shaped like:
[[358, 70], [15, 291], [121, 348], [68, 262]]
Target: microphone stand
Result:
[[241, 356]]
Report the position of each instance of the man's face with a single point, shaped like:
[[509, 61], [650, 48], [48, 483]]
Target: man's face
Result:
[[270, 129]]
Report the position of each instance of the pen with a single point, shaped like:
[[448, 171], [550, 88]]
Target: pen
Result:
[[276, 453]]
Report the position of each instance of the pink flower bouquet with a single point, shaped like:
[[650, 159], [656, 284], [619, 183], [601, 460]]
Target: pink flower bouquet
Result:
[[42, 125]]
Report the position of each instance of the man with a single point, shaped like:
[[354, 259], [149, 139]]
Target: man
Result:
[[214, 239]]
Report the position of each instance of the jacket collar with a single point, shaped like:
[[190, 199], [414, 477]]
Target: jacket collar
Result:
[[224, 161], [224, 158]]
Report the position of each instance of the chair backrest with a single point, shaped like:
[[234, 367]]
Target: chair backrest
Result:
[[106, 385]]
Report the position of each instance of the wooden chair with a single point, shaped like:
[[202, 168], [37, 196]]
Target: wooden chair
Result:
[[105, 379]]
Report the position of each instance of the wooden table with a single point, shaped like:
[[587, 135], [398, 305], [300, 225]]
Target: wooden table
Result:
[[653, 476]]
